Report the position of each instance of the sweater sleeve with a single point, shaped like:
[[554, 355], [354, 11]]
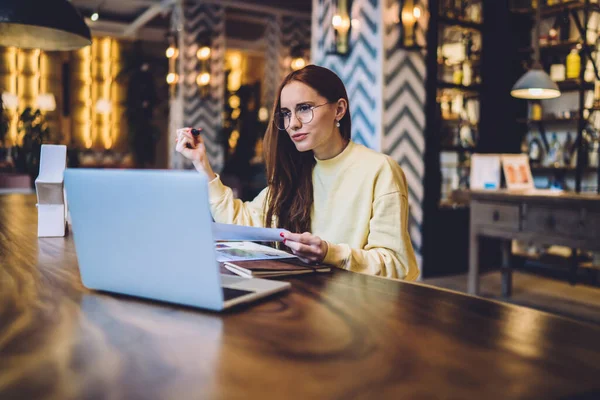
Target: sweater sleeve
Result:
[[388, 251], [229, 210]]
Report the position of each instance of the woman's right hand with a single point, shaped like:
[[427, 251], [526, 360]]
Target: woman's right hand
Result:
[[192, 147]]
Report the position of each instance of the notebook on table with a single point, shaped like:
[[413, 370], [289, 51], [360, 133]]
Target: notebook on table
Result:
[[273, 268]]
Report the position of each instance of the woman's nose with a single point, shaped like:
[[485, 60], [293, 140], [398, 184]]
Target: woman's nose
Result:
[[295, 123]]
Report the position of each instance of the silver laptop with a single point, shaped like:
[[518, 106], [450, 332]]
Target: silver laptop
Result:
[[149, 234]]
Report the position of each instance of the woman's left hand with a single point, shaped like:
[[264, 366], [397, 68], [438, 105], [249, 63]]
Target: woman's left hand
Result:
[[308, 247]]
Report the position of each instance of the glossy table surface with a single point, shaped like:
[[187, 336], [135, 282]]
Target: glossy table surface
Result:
[[339, 335]]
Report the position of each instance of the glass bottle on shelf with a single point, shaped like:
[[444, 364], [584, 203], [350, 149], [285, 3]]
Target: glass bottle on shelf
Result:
[[554, 156], [573, 64], [467, 69], [535, 150], [552, 36], [473, 12], [596, 94], [535, 111], [457, 77], [467, 72], [568, 150]]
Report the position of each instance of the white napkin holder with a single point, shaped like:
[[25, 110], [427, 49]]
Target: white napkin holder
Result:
[[49, 186]]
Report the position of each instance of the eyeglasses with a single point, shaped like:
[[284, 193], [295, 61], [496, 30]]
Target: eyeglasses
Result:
[[304, 112]]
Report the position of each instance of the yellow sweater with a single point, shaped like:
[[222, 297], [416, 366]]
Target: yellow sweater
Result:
[[360, 208]]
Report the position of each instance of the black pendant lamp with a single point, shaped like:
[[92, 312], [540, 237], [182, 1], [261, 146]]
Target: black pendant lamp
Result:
[[42, 24]]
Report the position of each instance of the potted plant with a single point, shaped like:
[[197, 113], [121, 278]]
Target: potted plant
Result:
[[26, 156]]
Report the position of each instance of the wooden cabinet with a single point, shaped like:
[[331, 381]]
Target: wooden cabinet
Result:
[[565, 219], [552, 220], [497, 215]]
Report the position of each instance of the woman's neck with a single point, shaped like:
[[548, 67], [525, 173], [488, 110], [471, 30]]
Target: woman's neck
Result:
[[332, 150]]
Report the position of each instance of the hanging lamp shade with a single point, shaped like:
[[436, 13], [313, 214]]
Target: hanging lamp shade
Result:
[[42, 24], [535, 84]]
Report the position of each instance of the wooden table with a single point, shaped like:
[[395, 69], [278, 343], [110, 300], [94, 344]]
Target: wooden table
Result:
[[341, 336], [542, 217]]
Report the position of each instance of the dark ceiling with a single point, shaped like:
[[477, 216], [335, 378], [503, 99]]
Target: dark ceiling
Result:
[[127, 11]]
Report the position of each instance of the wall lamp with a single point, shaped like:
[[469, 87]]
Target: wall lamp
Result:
[[342, 24], [410, 13]]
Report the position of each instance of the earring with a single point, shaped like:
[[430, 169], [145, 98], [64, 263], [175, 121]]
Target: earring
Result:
[[337, 123]]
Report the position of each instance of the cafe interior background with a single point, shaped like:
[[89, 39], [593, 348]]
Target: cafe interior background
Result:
[[429, 83]]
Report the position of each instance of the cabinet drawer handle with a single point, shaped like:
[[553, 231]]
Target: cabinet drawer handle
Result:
[[496, 216]]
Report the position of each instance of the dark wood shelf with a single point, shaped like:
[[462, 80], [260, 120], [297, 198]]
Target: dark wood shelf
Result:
[[460, 23], [456, 121], [549, 120], [548, 11], [557, 48], [457, 149], [468, 89], [553, 170], [572, 85]]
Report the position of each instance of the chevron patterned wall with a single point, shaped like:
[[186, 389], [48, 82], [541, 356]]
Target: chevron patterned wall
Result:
[[281, 35], [294, 32], [404, 116], [198, 111], [360, 70], [386, 87]]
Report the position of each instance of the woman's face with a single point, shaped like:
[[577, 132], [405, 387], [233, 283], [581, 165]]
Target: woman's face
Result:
[[320, 132]]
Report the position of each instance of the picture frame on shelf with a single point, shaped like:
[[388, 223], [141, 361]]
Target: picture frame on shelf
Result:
[[485, 171], [517, 171]]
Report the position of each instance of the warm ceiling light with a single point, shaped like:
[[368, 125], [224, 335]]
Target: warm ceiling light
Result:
[[172, 78], [298, 63], [535, 84], [203, 79], [234, 102], [203, 53], [417, 12], [172, 52]]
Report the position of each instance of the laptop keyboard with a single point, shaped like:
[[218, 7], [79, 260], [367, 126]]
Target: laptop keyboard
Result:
[[230, 294]]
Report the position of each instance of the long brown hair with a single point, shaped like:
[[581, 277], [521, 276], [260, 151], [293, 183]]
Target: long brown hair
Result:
[[289, 172]]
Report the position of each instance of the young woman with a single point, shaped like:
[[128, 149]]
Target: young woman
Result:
[[341, 203]]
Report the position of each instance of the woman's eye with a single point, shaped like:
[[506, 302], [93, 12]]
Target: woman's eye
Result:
[[303, 108]]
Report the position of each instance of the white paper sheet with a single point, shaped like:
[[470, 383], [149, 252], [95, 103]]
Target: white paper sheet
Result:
[[239, 232], [242, 251]]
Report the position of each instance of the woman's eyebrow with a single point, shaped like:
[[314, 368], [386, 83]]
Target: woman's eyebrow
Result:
[[298, 104]]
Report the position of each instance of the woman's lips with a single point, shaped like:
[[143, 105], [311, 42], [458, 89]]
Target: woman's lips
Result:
[[299, 137]]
